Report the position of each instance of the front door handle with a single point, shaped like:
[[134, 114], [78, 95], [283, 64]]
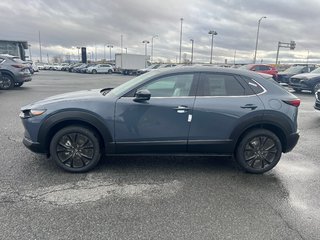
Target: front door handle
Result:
[[182, 109], [251, 106]]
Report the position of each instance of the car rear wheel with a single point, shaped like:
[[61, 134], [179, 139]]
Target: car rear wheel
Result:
[[94, 71], [76, 149], [297, 90], [7, 82], [258, 151], [109, 71]]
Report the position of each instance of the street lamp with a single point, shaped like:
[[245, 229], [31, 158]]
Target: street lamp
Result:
[[255, 52], [181, 19], [104, 52], [110, 46], [192, 41], [155, 36], [126, 50], [211, 32], [146, 42]]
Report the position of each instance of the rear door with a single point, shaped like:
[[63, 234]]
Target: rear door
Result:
[[223, 104]]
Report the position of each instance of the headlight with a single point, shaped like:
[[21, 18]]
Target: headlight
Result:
[[31, 113]]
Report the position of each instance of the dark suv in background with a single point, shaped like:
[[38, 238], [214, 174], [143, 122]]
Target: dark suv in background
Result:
[[283, 77], [14, 71]]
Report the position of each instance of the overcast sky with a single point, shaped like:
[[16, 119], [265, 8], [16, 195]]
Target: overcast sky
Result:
[[66, 24]]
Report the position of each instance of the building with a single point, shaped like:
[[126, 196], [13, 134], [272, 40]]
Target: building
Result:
[[15, 48]]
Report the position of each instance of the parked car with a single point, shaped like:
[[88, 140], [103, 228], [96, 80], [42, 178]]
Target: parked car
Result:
[[15, 72], [85, 69], [100, 68], [190, 110], [306, 81], [148, 69], [74, 66], [263, 68], [283, 77], [33, 66]]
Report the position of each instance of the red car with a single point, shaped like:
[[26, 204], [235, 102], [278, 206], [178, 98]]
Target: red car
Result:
[[263, 68]]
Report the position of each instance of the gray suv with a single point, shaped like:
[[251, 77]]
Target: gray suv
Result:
[[14, 71], [179, 111]]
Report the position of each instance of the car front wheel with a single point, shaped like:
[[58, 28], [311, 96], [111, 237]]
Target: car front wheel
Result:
[[258, 151], [76, 149], [94, 71], [7, 82]]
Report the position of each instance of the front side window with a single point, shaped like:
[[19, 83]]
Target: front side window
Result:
[[219, 85], [171, 86]]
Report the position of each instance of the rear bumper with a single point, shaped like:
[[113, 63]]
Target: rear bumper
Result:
[[292, 141]]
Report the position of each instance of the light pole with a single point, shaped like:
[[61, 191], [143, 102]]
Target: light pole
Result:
[[104, 52], [255, 52], [40, 47], [146, 42], [192, 41], [155, 36], [110, 46], [181, 19], [30, 57], [212, 32], [126, 50]]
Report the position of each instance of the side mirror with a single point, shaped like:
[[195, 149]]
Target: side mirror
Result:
[[142, 95]]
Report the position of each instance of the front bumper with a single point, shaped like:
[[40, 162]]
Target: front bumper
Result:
[[317, 105], [33, 146]]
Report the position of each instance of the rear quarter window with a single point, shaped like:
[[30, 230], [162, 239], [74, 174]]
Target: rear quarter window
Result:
[[255, 87]]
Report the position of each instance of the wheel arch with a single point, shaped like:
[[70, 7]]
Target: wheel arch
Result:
[[7, 72], [272, 127], [67, 118]]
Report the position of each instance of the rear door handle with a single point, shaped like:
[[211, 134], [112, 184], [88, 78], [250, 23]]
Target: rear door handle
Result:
[[182, 109], [251, 106]]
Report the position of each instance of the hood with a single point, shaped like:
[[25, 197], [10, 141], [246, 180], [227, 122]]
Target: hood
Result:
[[67, 97], [306, 75]]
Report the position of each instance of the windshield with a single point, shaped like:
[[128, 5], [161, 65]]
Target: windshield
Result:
[[317, 70], [246, 67], [123, 88], [294, 70]]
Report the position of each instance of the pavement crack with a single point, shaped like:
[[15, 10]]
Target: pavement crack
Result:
[[283, 219]]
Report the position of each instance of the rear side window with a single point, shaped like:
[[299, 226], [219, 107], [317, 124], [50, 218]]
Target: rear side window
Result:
[[212, 84], [256, 88]]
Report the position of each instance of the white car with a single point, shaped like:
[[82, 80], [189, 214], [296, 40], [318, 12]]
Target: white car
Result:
[[100, 68]]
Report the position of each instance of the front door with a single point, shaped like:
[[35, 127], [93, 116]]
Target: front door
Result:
[[158, 125]]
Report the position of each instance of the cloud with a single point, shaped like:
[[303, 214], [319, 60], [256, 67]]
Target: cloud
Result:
[[66, 24]]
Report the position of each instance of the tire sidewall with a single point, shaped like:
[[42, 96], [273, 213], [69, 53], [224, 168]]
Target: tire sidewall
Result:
[[84, 131], [248, 137], [6, 77]]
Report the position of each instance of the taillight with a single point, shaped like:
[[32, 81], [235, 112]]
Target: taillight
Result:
[[18, 65], [294, 102]]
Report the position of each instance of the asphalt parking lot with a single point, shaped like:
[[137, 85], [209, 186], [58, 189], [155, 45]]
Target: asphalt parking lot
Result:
[[152, 197]]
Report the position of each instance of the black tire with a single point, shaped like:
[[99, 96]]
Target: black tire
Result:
[[297, 90], [258, 151], [7, 82], [19, 84], [109, 71], [94, 71], [76, 149]]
